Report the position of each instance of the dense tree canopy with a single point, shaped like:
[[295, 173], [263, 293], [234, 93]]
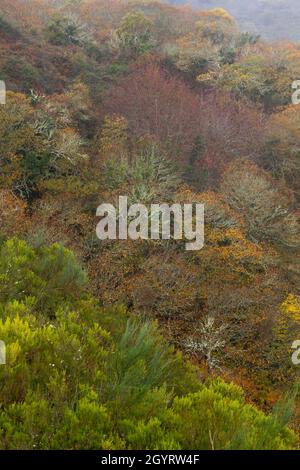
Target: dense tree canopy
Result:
[[92, 378], [163, 104]]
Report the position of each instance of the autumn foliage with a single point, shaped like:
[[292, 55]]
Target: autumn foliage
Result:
[[162, 104]]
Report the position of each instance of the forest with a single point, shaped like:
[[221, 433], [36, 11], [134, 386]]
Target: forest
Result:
[[141, 344]]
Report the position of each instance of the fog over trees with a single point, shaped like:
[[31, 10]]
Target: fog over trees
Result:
[[273, 19]]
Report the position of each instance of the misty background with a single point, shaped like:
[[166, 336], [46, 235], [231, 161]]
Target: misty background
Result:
[[272, 19]]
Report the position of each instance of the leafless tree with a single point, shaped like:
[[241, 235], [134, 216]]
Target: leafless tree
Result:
[[208, 339]]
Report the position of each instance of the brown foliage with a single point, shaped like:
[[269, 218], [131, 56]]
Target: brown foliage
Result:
[[13, 218], [159, 105]]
